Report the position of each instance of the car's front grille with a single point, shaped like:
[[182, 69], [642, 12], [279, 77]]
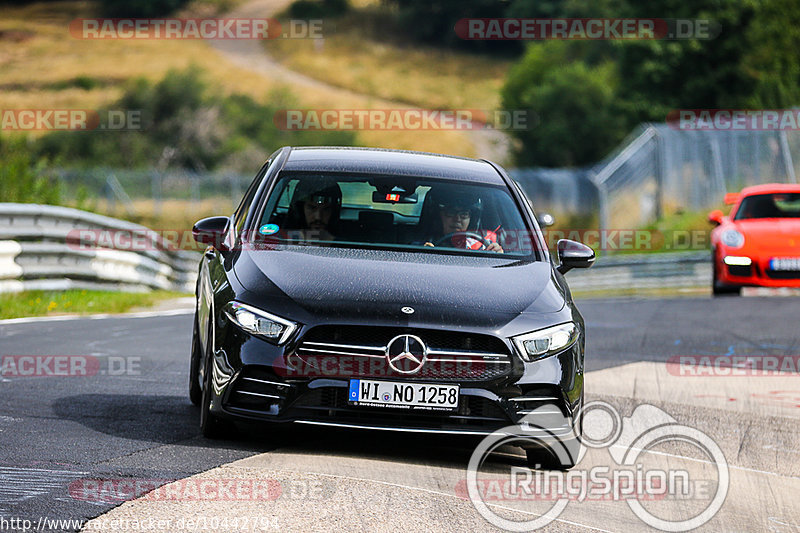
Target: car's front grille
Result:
[[330, 403], [347, 351], [783, 274], [740, 270]]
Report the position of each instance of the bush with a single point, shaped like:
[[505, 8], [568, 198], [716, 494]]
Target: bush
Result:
[[186, 125], [23, 178], [317, 9], [139, 8]]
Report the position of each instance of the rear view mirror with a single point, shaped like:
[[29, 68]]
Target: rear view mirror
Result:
[[393, 197], [572, 254]]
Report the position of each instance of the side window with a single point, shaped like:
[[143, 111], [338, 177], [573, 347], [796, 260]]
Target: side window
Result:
[[241, 212]]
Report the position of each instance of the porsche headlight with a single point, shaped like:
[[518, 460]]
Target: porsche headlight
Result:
[[260, 323], [545, 342], [732, 238]]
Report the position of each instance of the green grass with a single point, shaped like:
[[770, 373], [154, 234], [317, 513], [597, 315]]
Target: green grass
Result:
[[366, 51], [661, 292], [42, 303]]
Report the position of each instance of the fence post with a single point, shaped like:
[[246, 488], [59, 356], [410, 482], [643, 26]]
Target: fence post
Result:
[[236, 192], [659, 173], [716, 160], [602, 195], [155, 190], [787, 156]]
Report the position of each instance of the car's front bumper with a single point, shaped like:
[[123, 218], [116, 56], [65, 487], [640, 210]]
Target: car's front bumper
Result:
[[254, 381], [757, 274]]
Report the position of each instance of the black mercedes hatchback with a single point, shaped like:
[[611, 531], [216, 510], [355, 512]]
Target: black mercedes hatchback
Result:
[[388, 290]]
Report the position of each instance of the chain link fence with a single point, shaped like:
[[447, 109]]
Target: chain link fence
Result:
[[133, 191], [656, 171], [659, 170]]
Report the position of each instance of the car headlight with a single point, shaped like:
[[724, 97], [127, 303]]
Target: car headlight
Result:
[[732, 238], [260, 323], [545, 342]]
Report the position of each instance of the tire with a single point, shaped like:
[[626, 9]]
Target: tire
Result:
[[195, 391], [212, 426], [718, 288]]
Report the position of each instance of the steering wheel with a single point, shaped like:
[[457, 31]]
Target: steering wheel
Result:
[[484, 241]]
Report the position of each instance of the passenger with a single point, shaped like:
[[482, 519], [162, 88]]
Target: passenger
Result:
[[456, 223]]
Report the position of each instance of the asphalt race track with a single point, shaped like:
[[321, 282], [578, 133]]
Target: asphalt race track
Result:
[[131, 420]]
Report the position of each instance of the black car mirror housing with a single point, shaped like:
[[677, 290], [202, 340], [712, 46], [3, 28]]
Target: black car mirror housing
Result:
[[212, 231], [573, 254]]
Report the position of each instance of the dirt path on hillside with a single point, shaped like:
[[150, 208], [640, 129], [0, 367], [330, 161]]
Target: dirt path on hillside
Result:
[[251, 55]]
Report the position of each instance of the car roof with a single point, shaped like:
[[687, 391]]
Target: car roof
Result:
[[379, 161], [770, 187]]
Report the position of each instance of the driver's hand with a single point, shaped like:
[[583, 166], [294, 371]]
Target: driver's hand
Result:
[[428, 244], [494, 247]]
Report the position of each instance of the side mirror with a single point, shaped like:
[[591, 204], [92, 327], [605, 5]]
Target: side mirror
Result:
[[211, 231], [715, 217], [573, 254], [545, 220]]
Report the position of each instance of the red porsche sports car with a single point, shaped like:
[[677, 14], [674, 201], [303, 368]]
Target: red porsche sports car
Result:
[[758, 244]]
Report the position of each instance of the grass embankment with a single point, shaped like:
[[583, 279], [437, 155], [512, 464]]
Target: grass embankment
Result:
[[681, 231], [43, 66], [42, 303], [365, 51]]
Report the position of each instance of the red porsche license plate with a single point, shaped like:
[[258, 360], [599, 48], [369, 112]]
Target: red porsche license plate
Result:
[[784, 263]]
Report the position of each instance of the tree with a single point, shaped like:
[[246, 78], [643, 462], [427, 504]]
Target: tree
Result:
[[577, 120]]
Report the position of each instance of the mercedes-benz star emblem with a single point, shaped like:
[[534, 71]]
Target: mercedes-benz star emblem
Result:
[[407, 310], [406, 354]]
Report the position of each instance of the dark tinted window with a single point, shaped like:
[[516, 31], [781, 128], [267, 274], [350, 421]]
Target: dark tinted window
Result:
[[775, 205], [394, 212]]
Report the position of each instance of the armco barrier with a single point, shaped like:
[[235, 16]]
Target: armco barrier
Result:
[[646, 271], [35, 254]]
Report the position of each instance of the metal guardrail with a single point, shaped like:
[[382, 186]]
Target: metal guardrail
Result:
[[41, 249], [649, 271], [44, 247]]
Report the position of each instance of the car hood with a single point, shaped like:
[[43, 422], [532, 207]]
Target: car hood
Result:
[[774, 235], [441, 288]]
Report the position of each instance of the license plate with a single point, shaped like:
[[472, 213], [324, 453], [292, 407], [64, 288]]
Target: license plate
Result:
[[416, 396], [784, 263]]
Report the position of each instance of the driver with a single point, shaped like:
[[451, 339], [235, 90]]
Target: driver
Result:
[[314, 211], [458, 216]]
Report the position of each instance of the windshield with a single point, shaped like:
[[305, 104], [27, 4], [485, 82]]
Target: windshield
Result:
[[394, 212], [776, 205]]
